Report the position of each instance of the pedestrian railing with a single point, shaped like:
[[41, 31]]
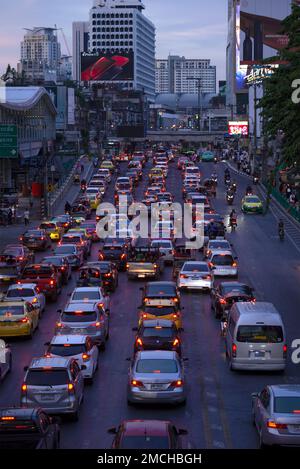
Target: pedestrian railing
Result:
[[286, 205]]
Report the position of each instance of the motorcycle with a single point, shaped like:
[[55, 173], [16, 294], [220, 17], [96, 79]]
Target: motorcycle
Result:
[[76, 179], [233, 224], [227, 181], [255, 180], [234, 187], [230, 199], [214, 179], [281, 234], [83, 187]]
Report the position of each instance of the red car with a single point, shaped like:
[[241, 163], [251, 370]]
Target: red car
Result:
[[47, 278], [147, 434]]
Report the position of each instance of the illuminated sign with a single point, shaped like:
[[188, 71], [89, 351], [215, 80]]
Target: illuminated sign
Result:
[[260, 73], [238, 128]]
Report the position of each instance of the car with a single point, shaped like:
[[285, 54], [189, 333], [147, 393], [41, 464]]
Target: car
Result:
[[80, 210], [53, 229], [223, 264], [154, 172], [54, 383], [37, 240], [216, 245], [195, 275], [28, 429], [5, 360], [147, 434], [30, 292], [207, 156], [116, 251], [182, 160], [19, 253], [165, 197], [109, 274], [165, 229], [107, 164], [226, 293], [84, 319], [79, 239], [86, 237], [82, 200], [73, 254], [18, 319], [94, 196], [64, 221], [90, 295], [276, 415], [157, 334], [105, 172], [156, 376], [10, 272], [90, 227], [47, 277], [79, 347], [62, 264], [166, 248], [252, 204], [157, 308]]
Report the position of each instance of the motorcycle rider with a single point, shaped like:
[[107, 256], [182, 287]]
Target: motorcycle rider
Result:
[[281, 228], [232, 218], [234, 186], [67, 207]]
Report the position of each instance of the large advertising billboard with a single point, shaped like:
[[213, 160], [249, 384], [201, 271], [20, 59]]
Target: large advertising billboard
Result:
[[112, 66], [258, 33]]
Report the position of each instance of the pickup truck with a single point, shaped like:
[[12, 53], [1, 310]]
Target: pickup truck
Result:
[[146, 262], [22, 428], [47, 278]]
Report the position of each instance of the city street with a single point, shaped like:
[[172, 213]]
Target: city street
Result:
[[217, 413]]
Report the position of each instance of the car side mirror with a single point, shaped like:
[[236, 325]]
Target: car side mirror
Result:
[[112, 431], [26, 368], [235, 258]]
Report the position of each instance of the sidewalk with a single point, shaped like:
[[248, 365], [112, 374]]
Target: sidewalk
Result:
[[10, 234]]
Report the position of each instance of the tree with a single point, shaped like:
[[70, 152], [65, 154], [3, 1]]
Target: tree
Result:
[[279, 112]]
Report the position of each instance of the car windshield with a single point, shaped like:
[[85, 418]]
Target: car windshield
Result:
[[7, 311], [144, 442], [38, 270], [115, 249], [161, 290], [252, 200], [33, 233], [79, 316], [67, 350], [260, 334], [12, 252], [159, 310], [235, 289], [20, 292], [46, 226], [17, 426], [65, 250], [72, 239], [222, 260], [86, 295], [162, 244], [57, 261], [8, 270], [195, 268], [218, 245], [158, 331], [287, 405], [51, 377], [157, 366]]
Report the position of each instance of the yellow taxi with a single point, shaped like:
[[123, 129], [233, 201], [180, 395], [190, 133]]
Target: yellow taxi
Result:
[[154, 172], [52, 229], [161, 309], [94, 196], [18, 318], [82, 230], [107, 164], [252, 204]]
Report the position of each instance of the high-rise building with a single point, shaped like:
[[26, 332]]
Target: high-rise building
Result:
[[120, 26], [173, 75], [80, 39], [40, 54]]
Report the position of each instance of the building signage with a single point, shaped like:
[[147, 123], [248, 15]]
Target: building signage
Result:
[[238, 128], [260, 73], [8, 141]]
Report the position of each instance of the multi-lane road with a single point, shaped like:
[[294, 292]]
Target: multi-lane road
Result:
[[218, 409]]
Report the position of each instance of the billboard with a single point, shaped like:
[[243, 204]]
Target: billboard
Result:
[[258, 33], [112, 66], [238, 128]]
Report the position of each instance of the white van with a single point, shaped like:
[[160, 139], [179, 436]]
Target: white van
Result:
[[255, 337]]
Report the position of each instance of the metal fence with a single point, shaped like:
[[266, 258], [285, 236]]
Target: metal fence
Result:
[[286, 205]]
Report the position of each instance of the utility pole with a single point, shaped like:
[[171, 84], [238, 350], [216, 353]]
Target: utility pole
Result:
[[199, 87]]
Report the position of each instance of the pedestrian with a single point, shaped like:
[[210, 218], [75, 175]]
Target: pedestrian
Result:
[[288, 191], [292, 199], [26, 217]]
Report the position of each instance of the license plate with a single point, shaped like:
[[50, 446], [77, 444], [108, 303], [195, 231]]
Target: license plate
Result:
[[259, 354], [80, 331], [47, 397], [141, 276], [156, 387]]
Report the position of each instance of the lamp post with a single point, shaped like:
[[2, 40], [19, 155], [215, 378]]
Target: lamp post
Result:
[[199, 87]]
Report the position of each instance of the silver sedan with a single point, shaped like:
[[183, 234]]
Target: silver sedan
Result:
[[276, 415], [156, 377], [195, 275]]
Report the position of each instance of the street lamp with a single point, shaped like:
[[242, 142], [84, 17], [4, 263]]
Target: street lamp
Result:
[[199, 83]]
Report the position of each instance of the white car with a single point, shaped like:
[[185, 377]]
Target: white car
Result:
[[5, 359], [90, 295], [106, 173], [223, 264], [166, 249], [164, 229], [216, 245], [79, 347], [28, 291], [195, 275]]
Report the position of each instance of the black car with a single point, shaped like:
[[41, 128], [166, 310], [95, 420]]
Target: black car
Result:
[[17, 253], [62, 264], [9, 272], [160, 334], [37, 240], [117, 252], [228, 293], [109, 274], [28, 429]]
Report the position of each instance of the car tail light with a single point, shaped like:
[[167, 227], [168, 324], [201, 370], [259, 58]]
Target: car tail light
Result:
[[234, 350], [123, 256], [24, 388], [234, 264], [100, 305], [285, 351], [137, 384], [277, 426], [176, 316], [34, 300], [21, 258], [100, 256], [7, 418], [176, 342], [177, 384], [222, 301], [63, 268], [208, 277], [97, 324], [58, 324], [71, 388], [109, 274], [85, 357], [24, 320], [183, 276], [139, 342], [52, 282]]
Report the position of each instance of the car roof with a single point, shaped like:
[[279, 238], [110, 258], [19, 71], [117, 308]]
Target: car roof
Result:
[[86, 289], [257, 313], [156, 354], [196, 262], [68, 339], [145, 427], [158, 322], [17, 286], [19, 412], [55, 362], [80, 306], [286, 390]]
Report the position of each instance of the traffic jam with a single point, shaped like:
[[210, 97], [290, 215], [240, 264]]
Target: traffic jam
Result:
[[171, 331]]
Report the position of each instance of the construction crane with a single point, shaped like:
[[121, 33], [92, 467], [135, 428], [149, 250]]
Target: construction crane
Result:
[[65, 40]]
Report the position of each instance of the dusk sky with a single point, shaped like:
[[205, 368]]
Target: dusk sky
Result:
[[194, 28]]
